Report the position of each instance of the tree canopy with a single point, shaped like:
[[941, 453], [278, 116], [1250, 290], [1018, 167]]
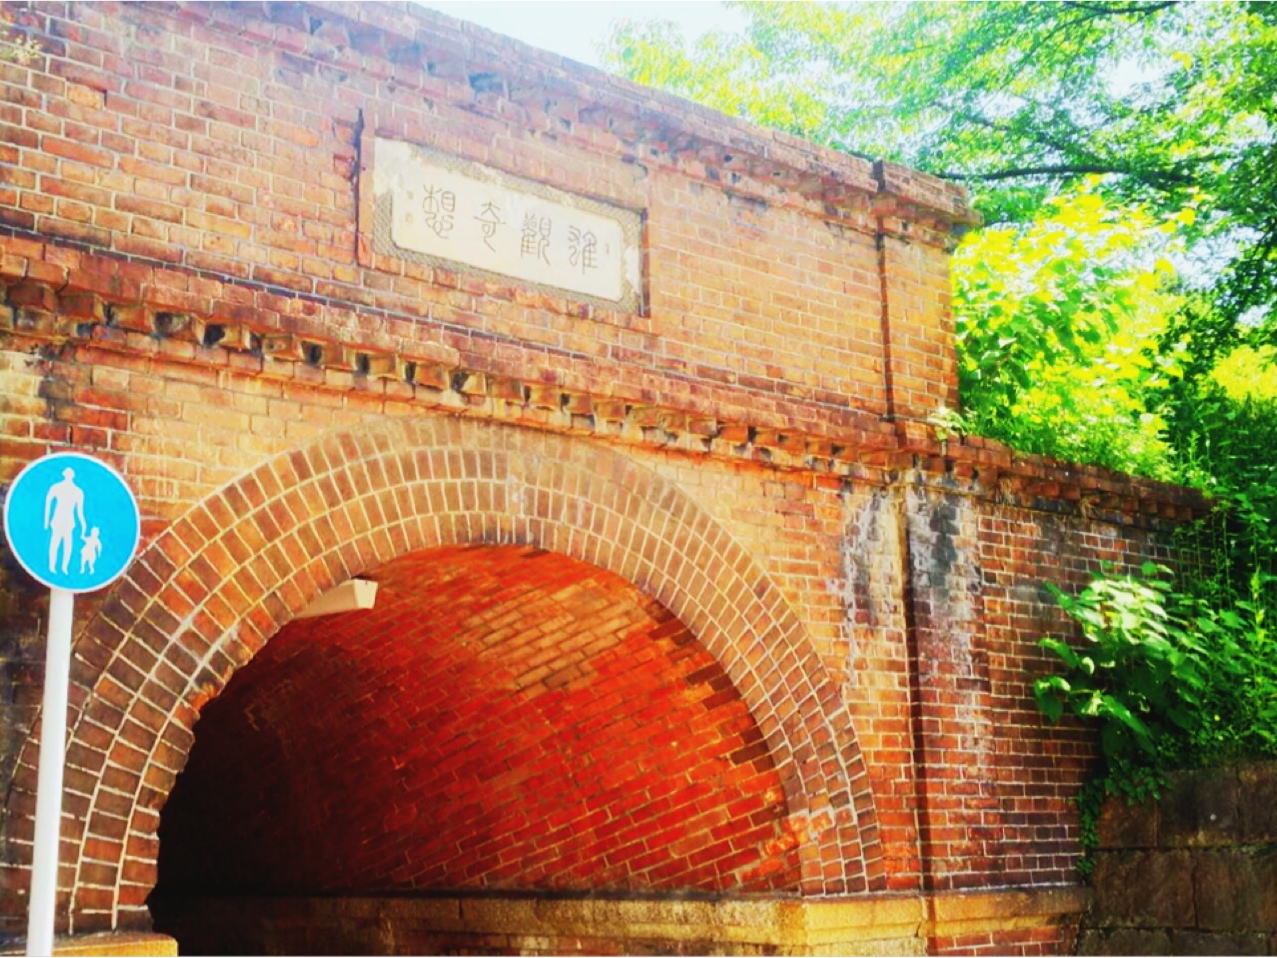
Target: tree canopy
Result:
[[1172, 106]]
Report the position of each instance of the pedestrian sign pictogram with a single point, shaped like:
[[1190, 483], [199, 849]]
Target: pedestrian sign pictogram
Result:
[[71, 522]]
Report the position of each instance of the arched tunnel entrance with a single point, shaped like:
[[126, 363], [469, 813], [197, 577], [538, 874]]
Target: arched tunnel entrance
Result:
[[505, 721]]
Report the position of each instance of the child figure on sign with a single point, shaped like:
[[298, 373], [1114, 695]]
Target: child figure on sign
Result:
[[90, 550]]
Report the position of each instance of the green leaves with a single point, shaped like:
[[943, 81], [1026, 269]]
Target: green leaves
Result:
[[1170, 679], [1168, 105], [765, 77], [1052, 693], [1059, 324]]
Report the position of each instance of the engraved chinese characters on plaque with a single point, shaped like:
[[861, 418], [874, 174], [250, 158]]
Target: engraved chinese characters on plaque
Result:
[[448, 210]]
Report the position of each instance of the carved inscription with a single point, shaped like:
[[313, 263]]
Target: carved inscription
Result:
[[444, 208]]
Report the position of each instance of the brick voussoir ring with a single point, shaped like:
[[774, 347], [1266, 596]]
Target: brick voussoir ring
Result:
[[311, 518]]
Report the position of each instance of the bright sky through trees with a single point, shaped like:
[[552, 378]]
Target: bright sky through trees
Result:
[[577, 28]]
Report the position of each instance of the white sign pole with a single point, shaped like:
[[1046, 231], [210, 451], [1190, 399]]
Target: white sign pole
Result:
[[48, 809]]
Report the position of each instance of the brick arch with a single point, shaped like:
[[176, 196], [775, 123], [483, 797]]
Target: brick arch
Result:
[[505, 718], [219, 582]]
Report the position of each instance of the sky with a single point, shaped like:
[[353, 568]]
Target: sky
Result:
[[574, 28]]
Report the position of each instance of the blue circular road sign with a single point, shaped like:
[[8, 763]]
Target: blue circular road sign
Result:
[[72, 522]]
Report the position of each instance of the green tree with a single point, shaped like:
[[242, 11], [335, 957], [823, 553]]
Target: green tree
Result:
[[1061, 303], [1170, 104], [1059, 329]]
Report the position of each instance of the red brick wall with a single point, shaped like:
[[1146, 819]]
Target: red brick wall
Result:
[[995, 783], [921, 368], [202, 137], [166, 640], [751, 295], [188, 292], [849, 560], [1038, 772], [503, 718]]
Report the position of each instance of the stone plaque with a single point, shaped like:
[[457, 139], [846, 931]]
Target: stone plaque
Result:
[[460, 213]]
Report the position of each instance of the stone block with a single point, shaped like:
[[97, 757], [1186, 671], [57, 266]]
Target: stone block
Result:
[[1199, 808], [1215, 943], [1124, 941], [113, 943], [503, 915], [1144, 889], [877, 946], [1236, 890], [1123, 825], [1266, 877], [439, 914], [1258, 802]]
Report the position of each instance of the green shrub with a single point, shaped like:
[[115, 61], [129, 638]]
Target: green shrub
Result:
[[1171, 679]]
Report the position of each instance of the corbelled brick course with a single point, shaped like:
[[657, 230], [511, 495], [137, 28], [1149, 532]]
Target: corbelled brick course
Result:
[[741, 468]]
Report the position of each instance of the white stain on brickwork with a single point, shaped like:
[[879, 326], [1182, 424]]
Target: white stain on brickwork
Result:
[[870, 586], [952, 661]]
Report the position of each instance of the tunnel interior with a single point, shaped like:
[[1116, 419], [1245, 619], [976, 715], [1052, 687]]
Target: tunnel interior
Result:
[[505, 720]]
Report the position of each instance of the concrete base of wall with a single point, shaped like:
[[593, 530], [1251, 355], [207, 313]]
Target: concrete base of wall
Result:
[[112, 943], [1026, 921]]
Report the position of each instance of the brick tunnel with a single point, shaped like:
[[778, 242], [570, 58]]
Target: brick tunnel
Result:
[[505, 719]]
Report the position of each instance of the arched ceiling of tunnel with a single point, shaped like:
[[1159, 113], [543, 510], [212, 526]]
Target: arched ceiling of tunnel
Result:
[[504, 718]]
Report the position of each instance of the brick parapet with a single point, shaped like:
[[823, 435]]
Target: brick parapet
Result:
[[618, 113], [167, 154]]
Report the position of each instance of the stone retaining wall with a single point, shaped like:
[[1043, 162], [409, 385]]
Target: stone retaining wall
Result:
[[1192, 874]]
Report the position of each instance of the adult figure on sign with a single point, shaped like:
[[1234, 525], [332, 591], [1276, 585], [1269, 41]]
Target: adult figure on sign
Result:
[[63, 502], [71, 522]]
